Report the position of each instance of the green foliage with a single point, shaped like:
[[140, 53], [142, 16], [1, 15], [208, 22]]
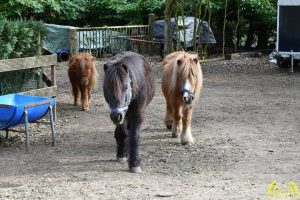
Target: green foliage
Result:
[[121, 12], [82, 12], [20, 39], [262, 11], [253, 13], [50, 11], [256, 21]]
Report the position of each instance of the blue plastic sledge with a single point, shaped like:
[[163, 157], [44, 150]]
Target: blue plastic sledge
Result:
[[21, 109]]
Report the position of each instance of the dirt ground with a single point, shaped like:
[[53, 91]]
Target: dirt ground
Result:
[[246, 129]]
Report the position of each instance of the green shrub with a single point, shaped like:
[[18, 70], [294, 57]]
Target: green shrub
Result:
[[20, 39]]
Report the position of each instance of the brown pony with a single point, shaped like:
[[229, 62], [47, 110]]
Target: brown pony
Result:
[[181, 86], [83, 77]]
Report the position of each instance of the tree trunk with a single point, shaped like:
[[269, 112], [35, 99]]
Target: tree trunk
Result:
[[167, 27], [250, 36], [262, 38], [224, 26], [236, 28]]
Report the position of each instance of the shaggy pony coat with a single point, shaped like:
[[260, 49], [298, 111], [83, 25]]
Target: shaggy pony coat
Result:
[[83, 77], [128, 72], [178, 68]]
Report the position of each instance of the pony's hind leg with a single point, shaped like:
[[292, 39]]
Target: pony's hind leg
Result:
[[76, 93], [120, 135], [177, 121], [186, 135], [169, 117]]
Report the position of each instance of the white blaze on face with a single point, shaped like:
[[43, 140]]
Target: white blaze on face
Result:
[[187, 86]]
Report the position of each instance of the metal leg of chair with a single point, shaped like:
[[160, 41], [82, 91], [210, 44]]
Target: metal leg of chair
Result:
[[26, 131], [52, 125], [6, 135]]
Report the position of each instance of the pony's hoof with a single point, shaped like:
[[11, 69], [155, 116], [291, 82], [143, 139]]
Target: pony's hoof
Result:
[[136, 169], [169, 127], [85, 109], [121, 160], [187, 143], [175, 135]]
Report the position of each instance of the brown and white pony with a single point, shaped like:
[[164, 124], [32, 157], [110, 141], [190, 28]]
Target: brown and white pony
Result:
[[83, 77], [181, 86]]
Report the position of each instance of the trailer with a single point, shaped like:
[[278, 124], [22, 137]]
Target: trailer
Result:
[[287, 52]]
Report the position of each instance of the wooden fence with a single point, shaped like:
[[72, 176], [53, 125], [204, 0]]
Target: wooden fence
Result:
[[34, 62]]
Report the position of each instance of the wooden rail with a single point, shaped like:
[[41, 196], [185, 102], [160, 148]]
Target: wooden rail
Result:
[[34, 62], [27, 63]]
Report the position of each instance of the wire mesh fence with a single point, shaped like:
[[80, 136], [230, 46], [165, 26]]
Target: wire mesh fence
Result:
[[113, 39]]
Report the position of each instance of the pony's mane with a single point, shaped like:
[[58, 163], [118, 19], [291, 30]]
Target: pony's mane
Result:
[[186, 69], [116, 75]]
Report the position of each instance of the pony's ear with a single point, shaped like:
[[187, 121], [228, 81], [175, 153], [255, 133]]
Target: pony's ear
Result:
[[125, 67], [195, 60], [179, 62], [105, 67]]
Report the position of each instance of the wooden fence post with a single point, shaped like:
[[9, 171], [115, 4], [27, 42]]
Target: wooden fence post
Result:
[[73, 42]]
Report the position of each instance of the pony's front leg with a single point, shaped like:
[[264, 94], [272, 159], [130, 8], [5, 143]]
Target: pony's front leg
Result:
[[186, 135], [84, 98], [177, 121], [134, 134], [89, 94], [169, 117], [120, 135]]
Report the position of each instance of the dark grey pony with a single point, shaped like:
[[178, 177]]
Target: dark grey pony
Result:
[[128, 88]]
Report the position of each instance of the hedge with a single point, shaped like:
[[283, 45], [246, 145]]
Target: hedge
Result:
[[20, 39]]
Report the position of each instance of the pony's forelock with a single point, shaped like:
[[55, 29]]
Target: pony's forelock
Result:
[[185, 69], [114, 80], [86, 60]]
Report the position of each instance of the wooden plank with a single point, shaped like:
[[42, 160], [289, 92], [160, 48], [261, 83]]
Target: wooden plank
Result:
[[53, 75], [46, 80], [44, 92], [26, 63]]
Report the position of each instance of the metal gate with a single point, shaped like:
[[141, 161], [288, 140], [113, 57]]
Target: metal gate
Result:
[[109, 40]]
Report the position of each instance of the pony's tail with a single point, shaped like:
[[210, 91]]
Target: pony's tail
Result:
[[94, 77]]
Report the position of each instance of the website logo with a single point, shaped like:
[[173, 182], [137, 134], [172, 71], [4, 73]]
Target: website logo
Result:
[[291, 191]]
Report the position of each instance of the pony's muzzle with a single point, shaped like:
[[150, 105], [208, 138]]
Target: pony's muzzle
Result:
[[84, 81], [117, 117], [188, 99]]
